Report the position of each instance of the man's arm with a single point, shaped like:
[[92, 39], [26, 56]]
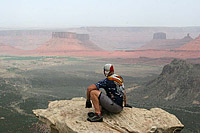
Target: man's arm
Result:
[[125, 98], [89, 89]]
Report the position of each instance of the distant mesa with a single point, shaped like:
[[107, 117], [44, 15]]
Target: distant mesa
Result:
[[70, 35], [159, 35], [160, 42], [68, 42]]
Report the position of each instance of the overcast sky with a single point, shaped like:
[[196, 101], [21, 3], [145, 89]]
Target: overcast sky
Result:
[[77, 13]]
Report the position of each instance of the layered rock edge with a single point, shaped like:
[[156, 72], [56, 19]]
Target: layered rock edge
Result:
[[70, 116]]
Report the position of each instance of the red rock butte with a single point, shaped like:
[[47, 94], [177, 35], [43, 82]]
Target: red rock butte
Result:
[[73, 44], [67, 42]]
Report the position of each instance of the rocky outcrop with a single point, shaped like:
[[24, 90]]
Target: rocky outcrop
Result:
[[70, 116], [177, 85]]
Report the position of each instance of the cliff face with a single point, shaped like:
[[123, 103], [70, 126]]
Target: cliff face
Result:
[[70, 116]]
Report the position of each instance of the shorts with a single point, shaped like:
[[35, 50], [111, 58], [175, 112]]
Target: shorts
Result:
[[108, 104]]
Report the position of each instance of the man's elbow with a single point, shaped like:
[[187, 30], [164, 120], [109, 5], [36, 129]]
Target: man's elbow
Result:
[[91, 87]]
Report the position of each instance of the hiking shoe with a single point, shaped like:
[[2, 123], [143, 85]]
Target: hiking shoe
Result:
[[95, 118], [91, 114]]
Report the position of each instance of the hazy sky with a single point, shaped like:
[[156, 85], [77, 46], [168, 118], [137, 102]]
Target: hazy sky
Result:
[[77, 13]]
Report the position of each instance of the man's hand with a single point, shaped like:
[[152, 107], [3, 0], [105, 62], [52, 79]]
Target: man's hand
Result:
[[88, 104], [127, 105]]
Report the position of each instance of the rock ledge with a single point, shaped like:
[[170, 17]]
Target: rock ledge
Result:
[[69, 116]]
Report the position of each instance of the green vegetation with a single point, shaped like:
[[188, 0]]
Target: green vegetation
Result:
[[7, 58], [33, 62], [12, 69], [13, 121]]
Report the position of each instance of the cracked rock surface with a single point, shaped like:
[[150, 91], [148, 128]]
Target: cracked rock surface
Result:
[[68, 116]]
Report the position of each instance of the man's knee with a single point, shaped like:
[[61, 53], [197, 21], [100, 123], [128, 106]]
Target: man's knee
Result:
[[95, 93]]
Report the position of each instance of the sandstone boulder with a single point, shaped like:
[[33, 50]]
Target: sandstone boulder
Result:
[[66, 116]]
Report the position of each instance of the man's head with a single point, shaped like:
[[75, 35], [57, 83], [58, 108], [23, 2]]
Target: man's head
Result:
[[108, 69]]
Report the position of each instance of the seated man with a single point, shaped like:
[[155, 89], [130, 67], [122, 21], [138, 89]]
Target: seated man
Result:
[[113, 102]]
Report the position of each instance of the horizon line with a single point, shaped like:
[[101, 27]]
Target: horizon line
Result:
[[53, 28]]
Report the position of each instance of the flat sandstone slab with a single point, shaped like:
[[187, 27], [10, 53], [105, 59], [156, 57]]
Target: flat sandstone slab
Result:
[[71, 116]]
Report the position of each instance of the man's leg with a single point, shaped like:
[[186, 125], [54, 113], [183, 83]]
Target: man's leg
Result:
[[94, 96], [109, 105]]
